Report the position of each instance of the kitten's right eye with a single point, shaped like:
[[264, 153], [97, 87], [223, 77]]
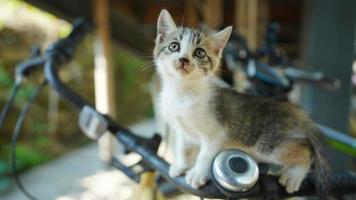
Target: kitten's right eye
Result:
[[174, 46]]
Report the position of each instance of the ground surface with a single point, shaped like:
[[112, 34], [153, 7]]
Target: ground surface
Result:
[[80, 175]]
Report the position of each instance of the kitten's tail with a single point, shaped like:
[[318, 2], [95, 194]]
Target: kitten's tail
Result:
[[321, 163]]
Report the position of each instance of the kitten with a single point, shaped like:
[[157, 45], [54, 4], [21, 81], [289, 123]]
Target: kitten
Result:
[[205, 113]]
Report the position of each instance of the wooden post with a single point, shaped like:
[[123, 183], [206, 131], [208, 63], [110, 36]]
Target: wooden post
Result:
[[246, 17], [263, 17], [103, 74], [190, 18], [213, 13]]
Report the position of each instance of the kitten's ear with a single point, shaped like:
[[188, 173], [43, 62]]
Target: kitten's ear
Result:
[[221, 39], [165, 25]]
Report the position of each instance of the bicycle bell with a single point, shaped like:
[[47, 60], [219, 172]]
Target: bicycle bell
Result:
[[235, 171]]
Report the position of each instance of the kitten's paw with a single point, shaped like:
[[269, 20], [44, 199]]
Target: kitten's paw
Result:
[[177, 170], [197, 177], [292, 178]]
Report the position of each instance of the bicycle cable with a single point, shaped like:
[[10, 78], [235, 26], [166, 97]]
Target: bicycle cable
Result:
[[10, 100], [19, 122]]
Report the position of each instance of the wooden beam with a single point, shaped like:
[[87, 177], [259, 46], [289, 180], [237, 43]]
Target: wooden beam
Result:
[[103, 74], [124, 29]]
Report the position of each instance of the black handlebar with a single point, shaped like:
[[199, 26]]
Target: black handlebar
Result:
[[66, 47], [62, 51], [80, 29], [265, 74]]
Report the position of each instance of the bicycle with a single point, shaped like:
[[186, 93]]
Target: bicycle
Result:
[[276, 78], [235, 174]]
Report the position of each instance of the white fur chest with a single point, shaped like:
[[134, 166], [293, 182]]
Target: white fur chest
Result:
[[188, 113]]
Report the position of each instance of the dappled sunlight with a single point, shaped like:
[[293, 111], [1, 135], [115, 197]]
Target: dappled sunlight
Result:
[[109, 185], [19, 15], [101, 83], [104, 185]]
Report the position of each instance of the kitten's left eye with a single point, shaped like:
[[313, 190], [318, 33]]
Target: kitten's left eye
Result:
[[174, 46], [200, 53]]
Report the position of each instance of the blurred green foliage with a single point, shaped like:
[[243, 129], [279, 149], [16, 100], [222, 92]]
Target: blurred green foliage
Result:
[[27, 156], [39, 142], [4, 179], [5, 79], [132, 82]]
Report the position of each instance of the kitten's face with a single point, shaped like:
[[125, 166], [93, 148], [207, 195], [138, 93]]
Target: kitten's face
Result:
[[185, 53]]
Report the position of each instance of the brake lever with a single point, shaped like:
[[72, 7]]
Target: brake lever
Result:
[[317, 78], [33, 62], [21, 70]]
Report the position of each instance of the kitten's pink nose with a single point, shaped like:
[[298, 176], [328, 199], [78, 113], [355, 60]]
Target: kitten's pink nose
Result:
[[183, 60]]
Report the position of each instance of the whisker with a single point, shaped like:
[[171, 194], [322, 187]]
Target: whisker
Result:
[[223, 70], [148, 63], [182, 21], [147, 66], [154, 77], [145, 56]]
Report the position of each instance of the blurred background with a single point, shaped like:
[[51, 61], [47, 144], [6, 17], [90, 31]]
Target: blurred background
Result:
[[314, 36]]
